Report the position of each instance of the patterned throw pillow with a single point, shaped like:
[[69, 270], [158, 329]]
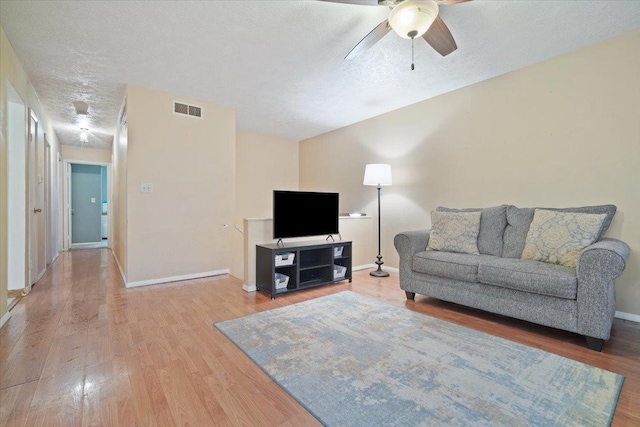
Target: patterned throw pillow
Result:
[[559, 237], [454, 232]]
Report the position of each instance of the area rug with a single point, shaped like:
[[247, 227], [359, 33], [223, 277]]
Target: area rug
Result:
[[352, 360]]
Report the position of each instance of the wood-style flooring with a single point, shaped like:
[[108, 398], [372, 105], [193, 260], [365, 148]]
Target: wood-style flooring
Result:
[[81, 350]]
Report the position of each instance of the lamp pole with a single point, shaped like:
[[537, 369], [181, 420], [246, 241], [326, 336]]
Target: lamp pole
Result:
[[378, 174], [379, 272]]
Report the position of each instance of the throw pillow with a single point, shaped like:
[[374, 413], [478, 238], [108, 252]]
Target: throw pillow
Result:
[[493, 220], [559, 237], [454, 232], [519, 220]]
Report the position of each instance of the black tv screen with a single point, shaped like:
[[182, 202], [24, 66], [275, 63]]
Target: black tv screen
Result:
[[304, 213]]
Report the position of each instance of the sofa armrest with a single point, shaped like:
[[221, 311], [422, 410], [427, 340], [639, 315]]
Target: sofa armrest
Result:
[[407, 244], [599, 265]]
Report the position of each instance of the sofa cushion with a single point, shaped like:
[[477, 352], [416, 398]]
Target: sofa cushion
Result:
[[454, 232], [559, 237], [519, 220], [447, 264], [493, 221], [529, 276]]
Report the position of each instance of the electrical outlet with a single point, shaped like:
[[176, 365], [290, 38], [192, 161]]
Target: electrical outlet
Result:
[[146, 187]]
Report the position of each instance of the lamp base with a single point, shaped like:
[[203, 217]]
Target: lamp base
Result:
[[379, 272]]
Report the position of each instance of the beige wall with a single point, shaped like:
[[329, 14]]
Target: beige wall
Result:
[[565, 132], [94, 155], [263, 164], [177, 230], [11, 71]]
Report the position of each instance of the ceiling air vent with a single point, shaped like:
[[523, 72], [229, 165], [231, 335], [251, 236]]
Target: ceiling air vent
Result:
[[187, 110]]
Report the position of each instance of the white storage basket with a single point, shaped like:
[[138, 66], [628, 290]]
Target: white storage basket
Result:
[[339, 272], [281, 280], [285, 259], [337, 251]]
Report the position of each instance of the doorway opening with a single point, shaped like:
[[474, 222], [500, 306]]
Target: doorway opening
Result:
[[87, 201]]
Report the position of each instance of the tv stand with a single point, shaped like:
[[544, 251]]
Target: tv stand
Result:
[[301, 265]]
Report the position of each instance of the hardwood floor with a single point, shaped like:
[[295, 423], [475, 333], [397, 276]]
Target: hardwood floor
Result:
[[81, 350]]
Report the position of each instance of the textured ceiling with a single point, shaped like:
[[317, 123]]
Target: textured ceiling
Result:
[[279, 63]]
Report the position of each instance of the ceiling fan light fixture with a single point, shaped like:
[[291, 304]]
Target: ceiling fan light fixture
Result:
[[412, 18]]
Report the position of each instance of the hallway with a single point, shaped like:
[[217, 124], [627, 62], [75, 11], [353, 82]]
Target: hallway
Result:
[[83, 350]]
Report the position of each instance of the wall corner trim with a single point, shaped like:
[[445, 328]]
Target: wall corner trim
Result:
[[249, 288], [124, 278], [175, 278], [4, 318]]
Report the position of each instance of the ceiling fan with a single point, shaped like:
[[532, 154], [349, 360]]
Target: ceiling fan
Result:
[[409, 19]]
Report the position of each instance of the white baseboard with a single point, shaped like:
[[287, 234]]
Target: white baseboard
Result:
[[4, 318], [175, 278], [80, 245], [363, 267], [249, 288], [628, 316]]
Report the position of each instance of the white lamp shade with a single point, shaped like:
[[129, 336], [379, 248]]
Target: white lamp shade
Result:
[[412, 18], [377, 174]]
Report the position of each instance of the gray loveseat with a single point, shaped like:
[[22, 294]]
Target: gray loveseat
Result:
[[580, 300]]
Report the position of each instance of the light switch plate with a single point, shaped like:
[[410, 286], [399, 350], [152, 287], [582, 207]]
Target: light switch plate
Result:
[[93, 200]]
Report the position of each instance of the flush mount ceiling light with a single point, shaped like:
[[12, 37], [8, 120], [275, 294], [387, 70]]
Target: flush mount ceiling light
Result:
[[81, 107], [412, 18], [84, 135]]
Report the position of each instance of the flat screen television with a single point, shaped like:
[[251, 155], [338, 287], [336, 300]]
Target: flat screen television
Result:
[[304, 213]]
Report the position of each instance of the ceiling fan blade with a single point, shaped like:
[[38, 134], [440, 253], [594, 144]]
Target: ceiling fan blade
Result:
[[370, 39], [440, 38], [449, 2], [362, 2]]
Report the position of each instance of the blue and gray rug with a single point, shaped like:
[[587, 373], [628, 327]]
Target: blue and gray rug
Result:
[[352, 360]]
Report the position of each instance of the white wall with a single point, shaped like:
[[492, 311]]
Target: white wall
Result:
[[17, 208]]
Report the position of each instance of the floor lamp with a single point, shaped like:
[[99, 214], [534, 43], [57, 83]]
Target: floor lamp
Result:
[[378, 175]]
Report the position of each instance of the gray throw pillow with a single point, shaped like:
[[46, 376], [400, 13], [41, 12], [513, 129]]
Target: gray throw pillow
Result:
[[493, 221], [519, 220], [454, 232], [559, 237]]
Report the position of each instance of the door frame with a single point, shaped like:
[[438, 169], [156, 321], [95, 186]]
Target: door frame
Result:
[[48, 207], [32, 194], [66, 241]]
